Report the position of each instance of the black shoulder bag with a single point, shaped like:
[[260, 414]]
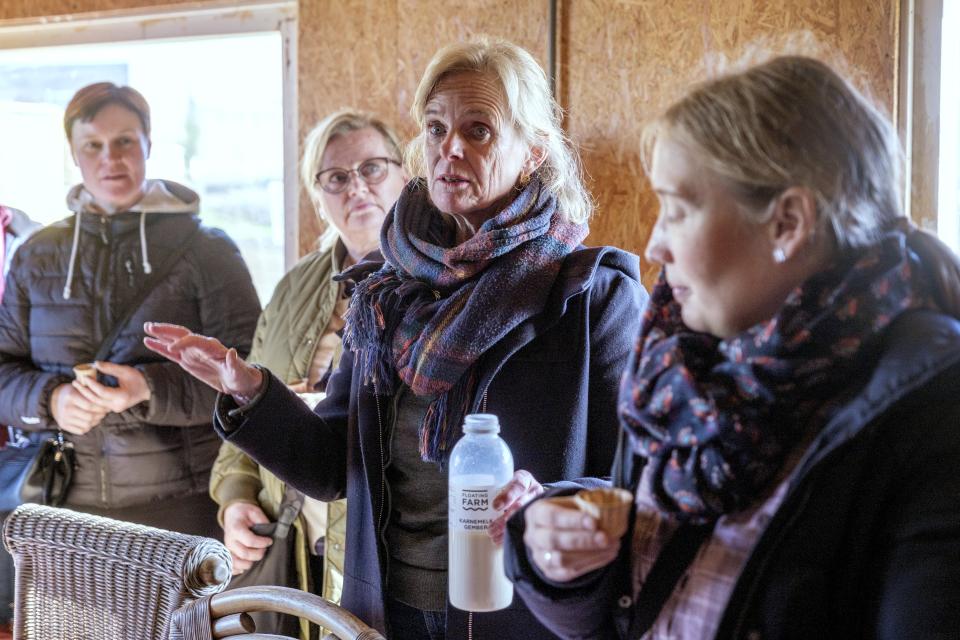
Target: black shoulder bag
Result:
[[38, 467], [278, 566]]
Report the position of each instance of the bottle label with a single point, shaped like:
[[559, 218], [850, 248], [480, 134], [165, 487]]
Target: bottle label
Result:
[[471, 503]]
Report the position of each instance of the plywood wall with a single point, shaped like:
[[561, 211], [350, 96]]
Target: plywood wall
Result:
[[624, 60], [620, 61], [11, 9], [369, 54]]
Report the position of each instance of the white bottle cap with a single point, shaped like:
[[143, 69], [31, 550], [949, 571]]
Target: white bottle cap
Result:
[[481, 423]]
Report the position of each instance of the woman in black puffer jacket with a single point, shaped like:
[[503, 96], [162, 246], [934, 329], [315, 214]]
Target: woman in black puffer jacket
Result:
[[145, 446]]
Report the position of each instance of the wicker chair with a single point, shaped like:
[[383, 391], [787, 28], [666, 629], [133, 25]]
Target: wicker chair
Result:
[[226, 615], [85, 577]]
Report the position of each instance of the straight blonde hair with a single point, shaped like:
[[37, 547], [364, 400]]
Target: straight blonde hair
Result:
[[793, 121]]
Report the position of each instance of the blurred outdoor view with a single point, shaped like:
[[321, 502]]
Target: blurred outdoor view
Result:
[[217, 126], [948, 219]]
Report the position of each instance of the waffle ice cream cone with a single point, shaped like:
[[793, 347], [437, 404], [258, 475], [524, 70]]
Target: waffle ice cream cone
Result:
[[84, 371], [610, 506]]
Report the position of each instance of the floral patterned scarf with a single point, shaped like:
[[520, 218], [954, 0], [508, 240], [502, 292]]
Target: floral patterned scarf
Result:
[[716, 418], [444, 297]]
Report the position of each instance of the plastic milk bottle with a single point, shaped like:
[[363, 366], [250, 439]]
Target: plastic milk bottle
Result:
[[480, 465]]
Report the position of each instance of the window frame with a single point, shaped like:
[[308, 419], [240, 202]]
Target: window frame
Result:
[[918, 107], [188, 21]]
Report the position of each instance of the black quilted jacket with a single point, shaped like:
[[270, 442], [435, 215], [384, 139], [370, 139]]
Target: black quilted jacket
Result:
[[156, 450]]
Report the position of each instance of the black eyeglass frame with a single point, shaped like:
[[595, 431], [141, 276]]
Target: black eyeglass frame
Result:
[[349, 172]]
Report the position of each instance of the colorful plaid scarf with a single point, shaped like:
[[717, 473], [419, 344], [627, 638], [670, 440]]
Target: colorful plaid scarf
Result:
[[716, 418], [441, 300]]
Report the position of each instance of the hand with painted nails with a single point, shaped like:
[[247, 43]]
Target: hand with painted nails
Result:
[[205, 359], [521, 489], [565, 543]]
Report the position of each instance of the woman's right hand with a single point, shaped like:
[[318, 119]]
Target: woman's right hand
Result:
[[204, 358], [72, 412], [564, 542], [245, 546]]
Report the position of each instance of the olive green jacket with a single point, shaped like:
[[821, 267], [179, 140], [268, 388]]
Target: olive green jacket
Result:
[[285, 340]]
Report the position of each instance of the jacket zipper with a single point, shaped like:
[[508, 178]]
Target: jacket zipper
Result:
[[128, 265], [483, 409], [383, 491], [103, 469], [104, 487], [383, 466]]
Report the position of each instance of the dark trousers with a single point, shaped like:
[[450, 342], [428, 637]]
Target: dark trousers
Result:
[[409, 623]]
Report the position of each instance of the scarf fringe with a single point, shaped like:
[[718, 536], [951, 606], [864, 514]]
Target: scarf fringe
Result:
[[443, 416]]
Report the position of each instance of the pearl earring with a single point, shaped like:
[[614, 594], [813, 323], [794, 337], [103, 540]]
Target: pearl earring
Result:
[[779, 256]]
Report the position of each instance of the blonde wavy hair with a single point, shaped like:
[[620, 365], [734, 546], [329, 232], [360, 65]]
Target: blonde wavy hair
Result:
[[336, 124], [532, 110]]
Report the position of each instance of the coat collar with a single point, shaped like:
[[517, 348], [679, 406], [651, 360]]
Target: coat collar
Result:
[[918, 347]]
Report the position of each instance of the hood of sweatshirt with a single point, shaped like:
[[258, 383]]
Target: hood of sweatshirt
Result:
[[159, 197]]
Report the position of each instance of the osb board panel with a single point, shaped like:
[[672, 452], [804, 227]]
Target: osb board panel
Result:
[[623, 60], [370, 54], [620, 60], [36, 8]]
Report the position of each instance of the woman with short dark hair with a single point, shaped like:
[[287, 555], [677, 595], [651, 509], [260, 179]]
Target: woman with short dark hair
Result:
[[139, 428]]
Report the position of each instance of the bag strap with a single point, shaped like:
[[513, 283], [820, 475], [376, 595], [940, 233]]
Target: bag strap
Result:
[[289, 510], [627, 466], [155, 278], [672, 562]]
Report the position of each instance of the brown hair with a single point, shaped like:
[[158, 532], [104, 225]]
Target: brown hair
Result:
[[793, 121], [88, 101]]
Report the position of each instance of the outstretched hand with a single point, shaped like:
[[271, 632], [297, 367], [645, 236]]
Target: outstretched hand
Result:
[[204, 358]]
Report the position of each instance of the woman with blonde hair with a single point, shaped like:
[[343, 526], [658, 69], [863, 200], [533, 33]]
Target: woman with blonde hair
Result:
[[351, 169], [791, 398], [486, 302]]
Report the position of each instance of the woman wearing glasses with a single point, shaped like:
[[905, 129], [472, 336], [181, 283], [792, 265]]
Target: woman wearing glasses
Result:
[[486, 302], [351, 170]]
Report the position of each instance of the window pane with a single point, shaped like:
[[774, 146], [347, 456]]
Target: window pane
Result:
[[216, 119], [948, 219]]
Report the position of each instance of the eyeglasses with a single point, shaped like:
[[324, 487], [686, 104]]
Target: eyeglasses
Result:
[[371, 171]]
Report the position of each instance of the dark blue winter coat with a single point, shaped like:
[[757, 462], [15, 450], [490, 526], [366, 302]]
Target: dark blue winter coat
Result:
[[866, 543], [552, 381]]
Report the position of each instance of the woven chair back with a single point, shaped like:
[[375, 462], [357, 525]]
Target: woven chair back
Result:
[[86, 577]]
